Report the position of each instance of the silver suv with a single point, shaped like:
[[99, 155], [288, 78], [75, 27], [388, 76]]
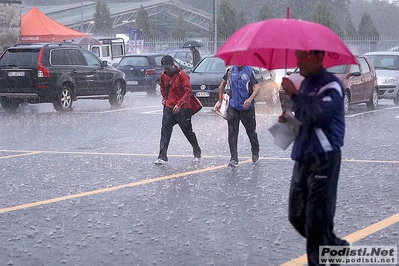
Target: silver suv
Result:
[[386, 65]]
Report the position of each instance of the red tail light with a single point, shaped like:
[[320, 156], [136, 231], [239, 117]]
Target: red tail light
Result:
[[42, 72], [150, 71]]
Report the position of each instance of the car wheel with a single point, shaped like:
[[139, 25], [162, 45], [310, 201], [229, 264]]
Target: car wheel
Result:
[[346, 102], [9, 105], [154, 90], [64, 99], [117, 95], [373, 103], [396, 100]]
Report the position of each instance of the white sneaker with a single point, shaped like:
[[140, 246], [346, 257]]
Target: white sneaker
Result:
[[233, 163], [197, 160], [160, 162]]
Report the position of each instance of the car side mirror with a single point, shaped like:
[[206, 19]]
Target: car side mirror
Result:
[[104, 63]]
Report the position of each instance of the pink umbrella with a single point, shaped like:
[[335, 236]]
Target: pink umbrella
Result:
[[271, 44]]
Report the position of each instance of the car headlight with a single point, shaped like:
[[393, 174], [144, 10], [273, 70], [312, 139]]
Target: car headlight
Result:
[[390, 79]]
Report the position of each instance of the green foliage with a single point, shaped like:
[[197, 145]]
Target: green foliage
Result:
[[367, 27], [180, 28], [321, 15], [350, 29], [227, 19], [103, 25], [143, 22], [265, 13], [241, 21]]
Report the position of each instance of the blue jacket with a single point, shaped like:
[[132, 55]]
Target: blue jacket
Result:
[[320, 108], [242, 80]]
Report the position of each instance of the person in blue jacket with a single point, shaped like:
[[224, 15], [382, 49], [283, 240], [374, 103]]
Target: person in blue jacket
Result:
[[319, 105], [243, 90]]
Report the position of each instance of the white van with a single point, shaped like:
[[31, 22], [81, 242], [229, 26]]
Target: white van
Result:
[[111, 49]]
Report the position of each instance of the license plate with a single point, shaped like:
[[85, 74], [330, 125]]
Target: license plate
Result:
[[132, 82], [202, 94], [16, 73]]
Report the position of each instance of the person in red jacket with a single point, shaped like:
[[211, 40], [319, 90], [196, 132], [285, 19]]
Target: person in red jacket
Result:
[[176, 93]]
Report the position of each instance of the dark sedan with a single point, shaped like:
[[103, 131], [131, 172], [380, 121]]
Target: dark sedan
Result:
[[143, 72], [206, 77]]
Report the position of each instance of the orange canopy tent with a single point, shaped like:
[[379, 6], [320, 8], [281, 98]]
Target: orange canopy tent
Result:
[[37, 27]]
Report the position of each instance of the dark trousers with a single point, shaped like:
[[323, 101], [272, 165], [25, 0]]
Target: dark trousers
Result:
[[183, 119], [312, 200], [247, 118]]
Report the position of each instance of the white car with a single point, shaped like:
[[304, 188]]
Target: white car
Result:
[[386, 65]]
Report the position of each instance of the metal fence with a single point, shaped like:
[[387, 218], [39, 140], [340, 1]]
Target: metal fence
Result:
[[356, 44]]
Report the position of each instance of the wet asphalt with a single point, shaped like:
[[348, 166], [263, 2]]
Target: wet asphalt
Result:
[[82, 188]]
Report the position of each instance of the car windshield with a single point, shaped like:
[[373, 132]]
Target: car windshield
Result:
[[211, 65], [385, 61]]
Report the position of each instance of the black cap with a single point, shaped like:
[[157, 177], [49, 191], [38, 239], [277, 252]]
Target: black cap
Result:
[[167, 61]]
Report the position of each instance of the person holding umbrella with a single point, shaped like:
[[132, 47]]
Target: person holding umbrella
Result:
[[195, 55], [319, 105]]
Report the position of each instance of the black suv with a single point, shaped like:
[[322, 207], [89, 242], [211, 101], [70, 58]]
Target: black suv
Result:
[[57, 73]]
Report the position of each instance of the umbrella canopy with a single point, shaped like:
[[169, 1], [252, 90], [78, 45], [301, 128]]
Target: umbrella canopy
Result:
[[86, 40], [192, 43], [272, 43]]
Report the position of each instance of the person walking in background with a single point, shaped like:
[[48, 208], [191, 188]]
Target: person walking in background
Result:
[[176, 93], [319, 105], [195, 55], [243, 90]]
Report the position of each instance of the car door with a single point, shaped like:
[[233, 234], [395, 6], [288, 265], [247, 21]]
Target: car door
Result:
[[67, 63], [369, 79], [355, 83], [101, 78], [79, 72]]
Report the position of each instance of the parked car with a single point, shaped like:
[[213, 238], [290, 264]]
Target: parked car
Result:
[[182, 57], [142, 71], [387, 67], [57, 73], [359, 81], [207, 75]]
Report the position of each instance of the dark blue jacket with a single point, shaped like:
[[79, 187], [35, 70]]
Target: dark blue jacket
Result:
[[320, 108]]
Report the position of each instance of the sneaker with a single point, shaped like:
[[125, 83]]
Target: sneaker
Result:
[[160, 162], [233, 163], [197, 159], [255, 158]]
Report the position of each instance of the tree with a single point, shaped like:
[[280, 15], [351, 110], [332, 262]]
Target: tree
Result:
[[227, 19], [367, 27], [265, 13], [143, 22], [321, 15], [180, 28], [241, 19], [350, 29], [103, 25]]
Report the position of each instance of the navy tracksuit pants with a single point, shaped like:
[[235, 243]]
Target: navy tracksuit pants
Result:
[[312, 200]]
